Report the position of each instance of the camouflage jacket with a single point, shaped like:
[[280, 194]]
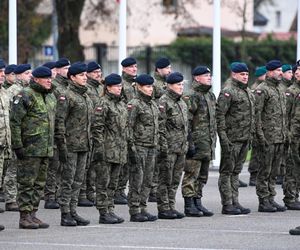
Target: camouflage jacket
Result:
[[202, 120], [32, 121], [110, 128], [293, 110], [159, 86], [6, 84], [270, 112], [60, 85], [235, 112], [128, 90], [173, 123], [5, 135], [143, 121], [255, 84], [16, 88], [284, 84], [94, 90], [73, 119]]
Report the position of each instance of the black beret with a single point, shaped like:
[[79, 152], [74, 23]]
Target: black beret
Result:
[[22, 68], [295, 67], [200, 70], [62, 62], [50, 65], [162, 63], [175, 77], [128, 62], [239, 67], [93, 66], [144, 79], [2, 64], [42, 72], [273, 64], [77, 68], [113, 79], [10, 68]]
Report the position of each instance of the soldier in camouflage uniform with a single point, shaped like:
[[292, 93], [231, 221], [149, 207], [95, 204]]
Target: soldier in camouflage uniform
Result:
[[5, 135], [10, 76], [235, 126], [270, 118], [94, 90], [143, 141], [110, 135], [32, 127], [162, 70], [260, 73], [72, 134], [61, 85], [202, 139], [173, 129], [129, 72], [291, 182]]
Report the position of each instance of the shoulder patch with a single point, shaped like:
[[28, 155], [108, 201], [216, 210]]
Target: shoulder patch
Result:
[[226, 94], [287, 93], [129, 107], [17, 98], [258, 91], [161, 108], [98, 109], [298, 96], [62, 98], [186, 97]]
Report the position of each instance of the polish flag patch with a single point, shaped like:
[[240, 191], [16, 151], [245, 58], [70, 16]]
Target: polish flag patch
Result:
[[62, 98], [98, 109], [129, 106], [226, 94]]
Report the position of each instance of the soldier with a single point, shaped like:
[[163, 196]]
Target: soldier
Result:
[[129, 72], [202, 140], [162, 70], [5, 135], [143, 141], [52, 66], [10, 76], [61, 85], [295, 231], [94, 90], [270, 112], [32, 127], [110, 135], [292, 178], [260, 73], [173, 130], [72, 134], [235, 125]]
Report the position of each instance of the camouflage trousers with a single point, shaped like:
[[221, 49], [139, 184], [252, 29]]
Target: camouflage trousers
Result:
[[53, 177], [71, 180], [140, 179], [10, 184], [170, 172], [254, 161], [291, 182], [155, 180], [195, 177], [31, 176], [123, 179], [2, 158], [230, 167], [284, 160], [268, 170], [107, 176]]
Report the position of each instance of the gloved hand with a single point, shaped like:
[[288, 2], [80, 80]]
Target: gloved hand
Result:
[[132, 155], [63, 154], [191, 152], [20, 153]]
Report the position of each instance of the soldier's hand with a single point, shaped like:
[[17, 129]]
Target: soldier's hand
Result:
[[98, 156], [226, 145], [191, 152], [132, 155], [20, 153], [63, 154]]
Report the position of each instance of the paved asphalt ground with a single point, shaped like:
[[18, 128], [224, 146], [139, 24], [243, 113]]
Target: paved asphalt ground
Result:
[[253, 231]]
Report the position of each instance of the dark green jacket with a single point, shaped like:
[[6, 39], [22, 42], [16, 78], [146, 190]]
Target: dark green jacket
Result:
[[159, 86], [60, 85], [94, 90], [128, 90], [293, 110]]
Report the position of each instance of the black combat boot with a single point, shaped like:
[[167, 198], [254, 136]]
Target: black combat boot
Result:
[[51, 204], [26, 221], [242, 184], [107, 218], [189, 208], [201, 208], [231, 210], [277, 206], [243, 209], [138, 218], [295, 231], [265, 206], [178, 214], [67, 220], [79, 220], [252, 181], [279, 180], [37, 220], [150, 217], [167, 215], [2, 227], [292, 205], [12, 206], [152, 197], [120, 198], [120, 219], [84, 202]]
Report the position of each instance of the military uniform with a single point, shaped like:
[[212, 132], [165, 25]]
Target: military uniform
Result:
[[235, 125]]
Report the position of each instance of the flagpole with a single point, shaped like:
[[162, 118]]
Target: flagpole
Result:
[[122, 32]]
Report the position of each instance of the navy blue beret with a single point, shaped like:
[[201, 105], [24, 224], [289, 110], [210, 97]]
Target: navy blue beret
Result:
[[77, 68], [273, 64], [144, 79], [2, 64], [128, 62], [93, 66], [239, 67], [50, 65], [113, 79], [200, 70], [22, 68], [10, 68], [162, 63], [62, 62], [42, 72], [175, 77]]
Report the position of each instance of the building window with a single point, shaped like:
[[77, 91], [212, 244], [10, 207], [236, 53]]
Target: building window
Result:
[[278, 18], [170, 6]]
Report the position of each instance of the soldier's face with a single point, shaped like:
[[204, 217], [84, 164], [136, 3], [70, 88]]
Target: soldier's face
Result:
[[2, 76], [115, 89], [262, 78], [95, 74], [146, 89], [80, 78], [276, 73], [177, 87], [10, 77], [25, 76], [63, 71], [287, 75], [165, 71], [131, 70], [204, 79], [44, 82], [241, 77], [297, 74]]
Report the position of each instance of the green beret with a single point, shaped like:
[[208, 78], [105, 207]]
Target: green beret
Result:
[[286, 67], [260, 71]]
